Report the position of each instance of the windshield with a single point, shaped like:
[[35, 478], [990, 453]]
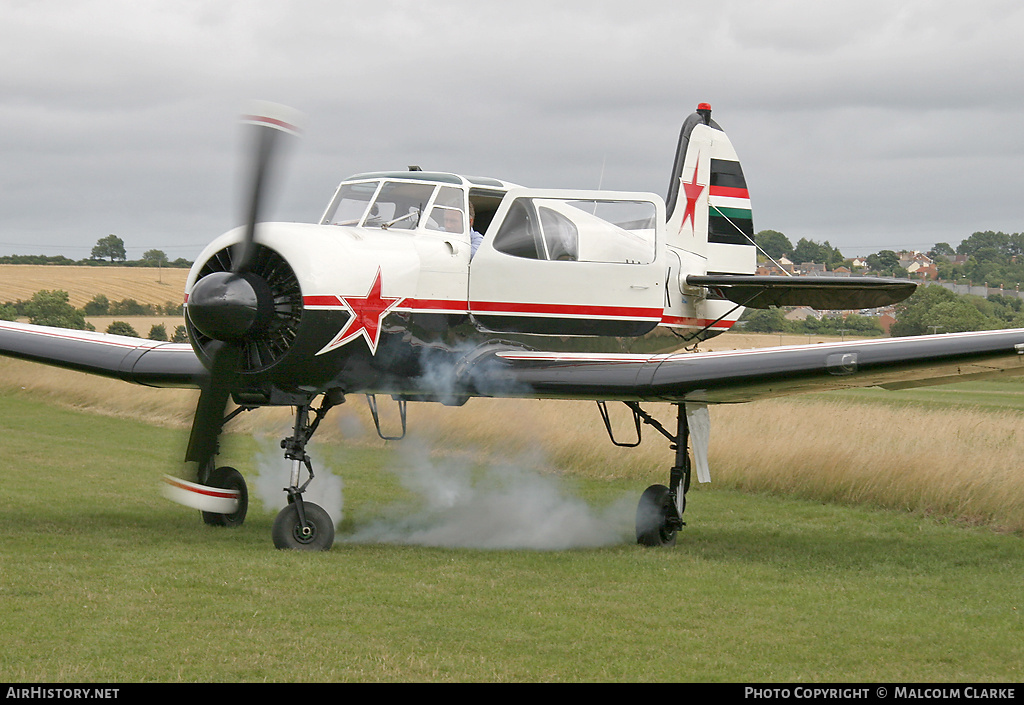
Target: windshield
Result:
[[398, 205], [448, 214], [350, 203]]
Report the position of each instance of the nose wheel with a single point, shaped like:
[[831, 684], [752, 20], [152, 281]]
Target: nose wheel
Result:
[[303, 526]]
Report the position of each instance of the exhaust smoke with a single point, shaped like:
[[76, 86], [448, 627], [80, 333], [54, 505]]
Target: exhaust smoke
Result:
[[274, 475], [502, 505], [457, 502]]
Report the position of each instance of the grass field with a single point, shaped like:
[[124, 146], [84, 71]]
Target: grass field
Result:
[[103, 580]]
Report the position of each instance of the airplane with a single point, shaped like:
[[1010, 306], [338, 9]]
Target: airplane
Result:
[[435, 288]]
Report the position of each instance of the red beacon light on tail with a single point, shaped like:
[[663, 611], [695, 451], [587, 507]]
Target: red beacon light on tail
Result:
[[704, 110]]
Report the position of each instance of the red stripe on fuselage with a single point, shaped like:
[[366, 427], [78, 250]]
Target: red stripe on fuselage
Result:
[[501, 307]]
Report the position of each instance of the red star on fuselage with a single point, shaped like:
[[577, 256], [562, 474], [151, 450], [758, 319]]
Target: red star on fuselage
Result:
[[692, 190], [367, 312]]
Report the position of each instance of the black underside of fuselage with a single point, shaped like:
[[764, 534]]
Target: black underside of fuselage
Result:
[[419, 355]]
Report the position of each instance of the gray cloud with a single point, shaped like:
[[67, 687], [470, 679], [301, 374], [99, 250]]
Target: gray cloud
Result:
[[868, 124]]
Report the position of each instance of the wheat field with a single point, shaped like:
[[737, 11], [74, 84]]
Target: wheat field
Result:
[[147, 285]]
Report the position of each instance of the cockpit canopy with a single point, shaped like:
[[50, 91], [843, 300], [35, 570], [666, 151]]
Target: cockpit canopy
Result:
[[412, 200]]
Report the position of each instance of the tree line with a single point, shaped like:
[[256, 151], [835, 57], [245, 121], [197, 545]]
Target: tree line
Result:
[[992, 258], [930, 309], [54, 308], [773, 320], [108, 250]]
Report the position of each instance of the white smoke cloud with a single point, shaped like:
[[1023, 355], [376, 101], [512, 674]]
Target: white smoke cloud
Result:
[[502, 505], [274, 475], [456, 501]]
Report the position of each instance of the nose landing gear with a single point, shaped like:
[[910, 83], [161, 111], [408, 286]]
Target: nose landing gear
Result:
[[302, 525]]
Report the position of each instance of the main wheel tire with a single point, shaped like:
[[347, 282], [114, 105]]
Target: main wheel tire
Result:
[[652, 515], [227, 478], [316, 535]]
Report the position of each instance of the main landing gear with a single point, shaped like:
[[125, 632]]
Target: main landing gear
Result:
[[659, 514]]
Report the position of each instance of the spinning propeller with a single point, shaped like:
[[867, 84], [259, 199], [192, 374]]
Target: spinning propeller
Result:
[[232, 307]]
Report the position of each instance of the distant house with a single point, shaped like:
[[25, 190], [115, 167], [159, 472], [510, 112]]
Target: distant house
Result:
[[909, 259], [921, 270], [781, 267], [811, 268], [802, 313]]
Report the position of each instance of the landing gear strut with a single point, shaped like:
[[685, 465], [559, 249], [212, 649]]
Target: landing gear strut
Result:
[[301, 525], [659, 515]]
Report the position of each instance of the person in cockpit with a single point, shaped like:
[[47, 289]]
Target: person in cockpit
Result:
[[475, 238], [453, 223]]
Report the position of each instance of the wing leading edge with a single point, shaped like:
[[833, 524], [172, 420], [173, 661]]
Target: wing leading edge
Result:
[[745, 375], [145, 362]]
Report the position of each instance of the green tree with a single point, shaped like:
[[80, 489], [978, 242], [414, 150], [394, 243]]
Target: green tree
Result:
[[818, 252], [129, 307], [941, 249], [110, 246], [763, 320], [8, 312], [154, 258], [774, 244], [934, 309], [986, 246], [884, 262], [122, 328], [99, 306], [179, 336], [157, 332], [52, 308]]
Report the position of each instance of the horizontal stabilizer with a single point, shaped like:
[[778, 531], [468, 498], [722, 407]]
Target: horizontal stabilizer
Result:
[[823, 293]]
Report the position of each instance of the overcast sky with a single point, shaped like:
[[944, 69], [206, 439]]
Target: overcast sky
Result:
[[872, 125]]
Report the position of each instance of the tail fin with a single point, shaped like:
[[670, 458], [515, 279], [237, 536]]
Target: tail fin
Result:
[[708, 205], [709, 228]]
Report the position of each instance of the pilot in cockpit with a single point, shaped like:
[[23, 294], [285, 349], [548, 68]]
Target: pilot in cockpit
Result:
[[453, 223], [475, 238], [452, 220]]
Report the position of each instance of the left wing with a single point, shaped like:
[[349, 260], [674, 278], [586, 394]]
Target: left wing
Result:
[[147, 362], [745, 375]]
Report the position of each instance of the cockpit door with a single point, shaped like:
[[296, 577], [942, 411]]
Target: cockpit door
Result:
[[571, 263]]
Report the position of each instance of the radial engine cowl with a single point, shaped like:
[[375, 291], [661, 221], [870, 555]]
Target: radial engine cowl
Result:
[[228, 306]]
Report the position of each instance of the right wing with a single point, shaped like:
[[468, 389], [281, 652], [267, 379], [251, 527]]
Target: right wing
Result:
[[147, 362], [745, 375]]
